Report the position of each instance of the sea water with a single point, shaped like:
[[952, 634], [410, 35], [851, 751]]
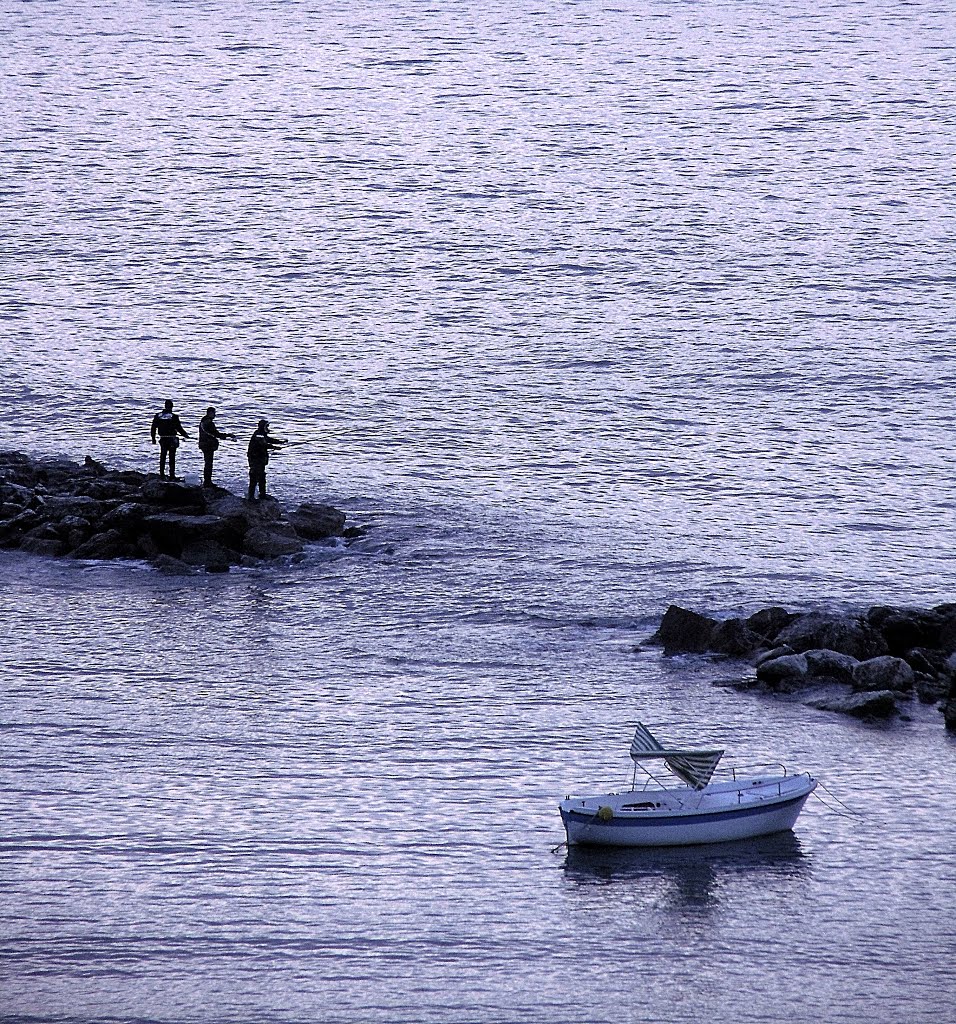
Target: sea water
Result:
[[580, 309]]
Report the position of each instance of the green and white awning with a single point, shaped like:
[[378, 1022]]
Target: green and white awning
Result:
[[695, 767]]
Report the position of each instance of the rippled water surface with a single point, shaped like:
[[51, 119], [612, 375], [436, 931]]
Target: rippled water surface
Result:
[[582, 308]]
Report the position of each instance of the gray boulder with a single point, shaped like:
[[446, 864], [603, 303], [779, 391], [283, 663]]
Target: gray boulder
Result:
[[172, 566], [845, 634], [831, 665], [262, 542], [784, 675], [105, 545], [56, 506], [126, 516], [885, 673], [874, 705], [314, 521], [776, 652]]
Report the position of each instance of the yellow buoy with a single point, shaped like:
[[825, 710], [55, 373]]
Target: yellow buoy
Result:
[[605, 813]]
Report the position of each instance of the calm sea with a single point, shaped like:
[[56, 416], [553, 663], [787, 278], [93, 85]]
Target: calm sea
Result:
[[582, 308]]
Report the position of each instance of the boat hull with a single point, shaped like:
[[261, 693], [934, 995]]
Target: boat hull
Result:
[[601, 821]]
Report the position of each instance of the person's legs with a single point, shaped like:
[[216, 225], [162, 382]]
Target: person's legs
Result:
[[208, 454], [257, 478], [163, 451]]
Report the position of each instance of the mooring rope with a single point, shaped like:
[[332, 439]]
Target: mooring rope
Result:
[[850, 811]]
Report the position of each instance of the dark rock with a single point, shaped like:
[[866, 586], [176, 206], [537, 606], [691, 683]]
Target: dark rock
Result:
[[784, 675], [775, 652], [831, 665], [106, 545], [262, 542], [733, 637], [768, 622], [876, 705], [949, 706], [16, 494], [926, 661], [316, 522], [127, 516], [45, 531], [51, 547], [172, 566], [946, 635], [845, 634], [148, 548], [878, 614], [884, 673], [106, 489], [903, 630], [172, 494], [684, 631], [930, 689], [210, 554], [57, 506], [173, 531]]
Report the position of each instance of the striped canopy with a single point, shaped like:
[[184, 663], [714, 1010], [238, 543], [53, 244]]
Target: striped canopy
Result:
[[695, 767]]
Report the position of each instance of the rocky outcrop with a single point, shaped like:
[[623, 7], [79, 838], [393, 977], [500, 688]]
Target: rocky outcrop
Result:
[[59, 508], [867, 665]]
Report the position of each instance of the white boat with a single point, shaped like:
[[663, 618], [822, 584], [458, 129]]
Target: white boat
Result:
[[698, 811]]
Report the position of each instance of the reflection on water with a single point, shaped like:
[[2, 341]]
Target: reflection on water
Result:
[[694, 873]]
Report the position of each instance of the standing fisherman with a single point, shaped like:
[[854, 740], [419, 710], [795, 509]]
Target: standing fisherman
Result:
[[259, 445], [167, 425], [209, 438]]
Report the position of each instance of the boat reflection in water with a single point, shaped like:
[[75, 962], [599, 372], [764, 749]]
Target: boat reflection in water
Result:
[[693, 875]]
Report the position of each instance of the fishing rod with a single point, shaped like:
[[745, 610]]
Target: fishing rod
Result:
[[292, 444]]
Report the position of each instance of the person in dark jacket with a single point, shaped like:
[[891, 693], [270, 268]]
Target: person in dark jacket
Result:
[[209, 437], [259, 445], [166, 424]]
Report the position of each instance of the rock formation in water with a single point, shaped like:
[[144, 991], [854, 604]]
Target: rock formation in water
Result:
[[867, 665], [59, 508]]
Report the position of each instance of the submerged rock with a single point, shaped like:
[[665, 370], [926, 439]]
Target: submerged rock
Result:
[[59, 508], [875, 705]]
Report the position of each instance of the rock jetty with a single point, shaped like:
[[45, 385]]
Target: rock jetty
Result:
[[59, 508], [868, 665]]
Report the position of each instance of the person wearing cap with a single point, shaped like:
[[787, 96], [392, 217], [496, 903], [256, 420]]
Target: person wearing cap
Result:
[[259, 445], [166, 424], [209, 437]]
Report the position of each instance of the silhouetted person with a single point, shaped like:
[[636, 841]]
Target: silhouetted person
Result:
[[167, 425], [209, 437], [259, 445]]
